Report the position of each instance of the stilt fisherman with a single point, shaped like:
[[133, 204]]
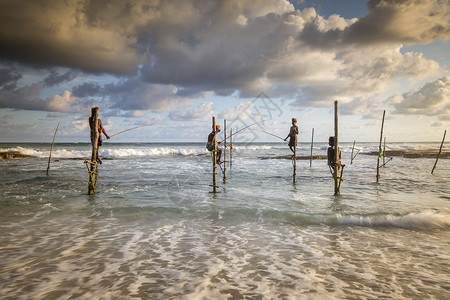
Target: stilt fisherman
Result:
[[293, 135], [100, 131], [331, 153], [210, 146]]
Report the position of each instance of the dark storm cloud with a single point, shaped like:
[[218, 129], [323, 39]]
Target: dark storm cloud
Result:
[[133, 94], [87, 89], [9, 79], [57, 33], [56, 77]]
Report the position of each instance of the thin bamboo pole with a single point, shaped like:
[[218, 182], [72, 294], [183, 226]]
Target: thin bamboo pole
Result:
[[337, 186], [214, 153], [439, 154], [295, 163], [51, 149], [225, 152], [93, 169], [384, 151], [312, 145], [231, 147], [379, 147], [353, 148]]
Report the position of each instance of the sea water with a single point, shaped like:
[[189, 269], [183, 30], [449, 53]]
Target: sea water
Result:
[[153, 230]]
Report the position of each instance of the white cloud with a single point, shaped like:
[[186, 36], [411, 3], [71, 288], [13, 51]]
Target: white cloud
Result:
[[202, 112], [433, 99], [241, 111], [60, 103]]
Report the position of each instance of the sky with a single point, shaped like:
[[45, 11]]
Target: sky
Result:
[[173, 65]]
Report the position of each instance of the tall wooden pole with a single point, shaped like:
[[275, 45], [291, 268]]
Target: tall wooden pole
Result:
[[295, 162], [439, 154], [384, 151], [379, 147], [312, 144], [353, 148], [51, 149], [337, 186], [93, 165], [214, 154], [225, 152], [231, 147]]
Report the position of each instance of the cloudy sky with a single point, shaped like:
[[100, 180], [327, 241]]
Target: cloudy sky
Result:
[[176, 63]]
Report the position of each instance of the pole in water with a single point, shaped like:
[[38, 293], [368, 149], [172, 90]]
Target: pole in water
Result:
[[231, 147], [225, 152], [93, 170], [379, 147], [51, 149], [295, 162], [312, 144], [353, 148], [439, 154], [337, 179], [214, 156], [384, 152]]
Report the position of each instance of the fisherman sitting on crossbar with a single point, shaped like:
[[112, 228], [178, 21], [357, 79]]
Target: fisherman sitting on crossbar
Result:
[[210, 145]]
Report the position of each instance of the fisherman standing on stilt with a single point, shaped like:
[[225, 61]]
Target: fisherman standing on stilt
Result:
[[293, 135], [210, 145], [100, 131]]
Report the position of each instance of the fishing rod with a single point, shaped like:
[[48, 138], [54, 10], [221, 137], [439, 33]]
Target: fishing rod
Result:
[[242, 129], [270, 134], [131, 129]]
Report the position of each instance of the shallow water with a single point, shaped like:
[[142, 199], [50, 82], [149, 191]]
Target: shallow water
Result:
[[153, 230]]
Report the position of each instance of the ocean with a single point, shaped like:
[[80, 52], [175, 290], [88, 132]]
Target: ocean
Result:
[[153, 230]]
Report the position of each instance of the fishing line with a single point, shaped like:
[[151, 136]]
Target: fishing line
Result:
[[269, 133], [132, 129], [242, 129]]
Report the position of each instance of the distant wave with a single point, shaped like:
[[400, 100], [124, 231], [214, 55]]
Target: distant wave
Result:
[[415, 220], [108, 152], [420, 220], [159, 151]]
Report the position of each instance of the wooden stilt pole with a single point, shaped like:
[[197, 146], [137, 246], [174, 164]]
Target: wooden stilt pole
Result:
[[225, 152], [231, 147], [93, 164], [295, 162], [51, 149], [439, 154], [353, 148], [384, 151], [312, 144], [337, 179], [379, 147], [214, 156]]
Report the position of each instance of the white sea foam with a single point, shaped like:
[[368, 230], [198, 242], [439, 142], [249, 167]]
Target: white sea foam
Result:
[[421, 220], [151, 151]]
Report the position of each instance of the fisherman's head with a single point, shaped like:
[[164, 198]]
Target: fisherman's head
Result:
[[331, 141], [217, 128], [294, 121]]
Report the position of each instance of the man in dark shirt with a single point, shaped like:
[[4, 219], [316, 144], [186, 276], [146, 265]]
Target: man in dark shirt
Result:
[[210, 145], [331, 152]]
